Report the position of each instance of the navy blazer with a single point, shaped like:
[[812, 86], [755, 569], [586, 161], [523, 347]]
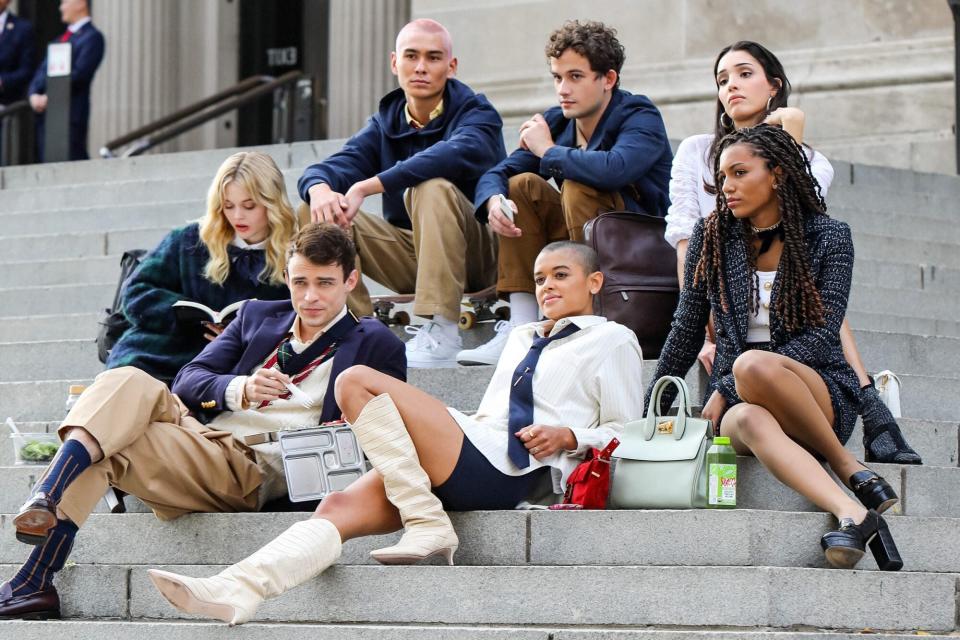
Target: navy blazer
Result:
[[16, 59], [252, 337], [88, 47], [628, 153]]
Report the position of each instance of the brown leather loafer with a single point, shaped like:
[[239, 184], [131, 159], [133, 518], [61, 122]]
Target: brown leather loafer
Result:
[[36, 517], [41, 605]]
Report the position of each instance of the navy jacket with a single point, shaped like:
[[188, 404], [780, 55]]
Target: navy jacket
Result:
[[628, 153], [460, 145], [16, 59], [88, 47], [252, 337]]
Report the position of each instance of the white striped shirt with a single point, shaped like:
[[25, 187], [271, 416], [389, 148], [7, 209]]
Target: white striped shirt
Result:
[[589, 381]]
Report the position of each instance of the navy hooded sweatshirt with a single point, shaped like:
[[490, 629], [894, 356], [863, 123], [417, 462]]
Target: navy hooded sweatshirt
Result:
[[459, 145], [628, 153]]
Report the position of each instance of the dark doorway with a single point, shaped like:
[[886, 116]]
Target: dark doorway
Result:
[[273, 41]]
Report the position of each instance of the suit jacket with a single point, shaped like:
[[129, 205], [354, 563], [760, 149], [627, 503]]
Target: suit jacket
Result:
[[252, 337], [88, 47], [830, 252], [628, 153], [16, 59]]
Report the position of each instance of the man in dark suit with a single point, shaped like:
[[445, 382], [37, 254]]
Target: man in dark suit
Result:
[[128, 431], [88, 45], [16, 55]]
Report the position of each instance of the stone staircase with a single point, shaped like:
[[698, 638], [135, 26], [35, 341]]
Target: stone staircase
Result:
[[661, 575]]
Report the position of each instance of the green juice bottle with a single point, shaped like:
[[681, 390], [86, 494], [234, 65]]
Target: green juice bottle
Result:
[[721, 474]]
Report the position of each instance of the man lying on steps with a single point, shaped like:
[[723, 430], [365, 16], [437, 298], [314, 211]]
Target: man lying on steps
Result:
[[129, 431]]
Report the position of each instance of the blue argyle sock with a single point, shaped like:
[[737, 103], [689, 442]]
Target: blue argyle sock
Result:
[[45, 560], [70, 461]]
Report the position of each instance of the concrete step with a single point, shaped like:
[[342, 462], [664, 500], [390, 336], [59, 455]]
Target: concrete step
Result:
[[55, 299], [914, 304], [295, 156], [895, 224], [103, 218], [905, 275], [80, 245], [879, 246], [71, 271], [73, 326], [521, 538], [753, 596], [181, 630], [928, 204], [895, 323]]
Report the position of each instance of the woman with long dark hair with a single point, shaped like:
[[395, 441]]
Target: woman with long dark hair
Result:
[[752, 87], [774, 271]]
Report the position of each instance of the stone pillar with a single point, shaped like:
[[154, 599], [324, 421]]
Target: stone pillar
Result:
[[160, 56], [362, 35]]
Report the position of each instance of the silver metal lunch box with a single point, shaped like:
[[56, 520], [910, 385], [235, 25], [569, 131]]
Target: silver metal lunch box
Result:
[[318, 460]]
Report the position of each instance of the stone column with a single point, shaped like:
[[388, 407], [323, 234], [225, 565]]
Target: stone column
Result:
[[362, 35]]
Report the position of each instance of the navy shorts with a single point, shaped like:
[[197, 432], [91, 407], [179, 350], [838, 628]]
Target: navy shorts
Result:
[[477, 485]]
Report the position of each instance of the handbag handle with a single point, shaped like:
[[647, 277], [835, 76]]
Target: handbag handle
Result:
[[653, 410]]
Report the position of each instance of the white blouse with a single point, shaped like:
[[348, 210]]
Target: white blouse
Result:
[[590, 381], [758, 322], [691, 169]]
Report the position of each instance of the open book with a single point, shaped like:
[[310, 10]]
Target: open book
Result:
[[188, 312]]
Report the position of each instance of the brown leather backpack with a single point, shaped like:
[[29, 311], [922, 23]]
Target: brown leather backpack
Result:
[[640, 288]]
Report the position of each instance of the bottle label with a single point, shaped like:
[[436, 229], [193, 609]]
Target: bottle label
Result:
[[722, 485]]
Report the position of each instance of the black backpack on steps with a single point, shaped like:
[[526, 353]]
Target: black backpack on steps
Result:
[[114, 323]]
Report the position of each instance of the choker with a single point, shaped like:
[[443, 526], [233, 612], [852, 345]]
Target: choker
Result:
[[767, 235]]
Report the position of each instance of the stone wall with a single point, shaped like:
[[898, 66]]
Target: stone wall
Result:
[[874, 76]]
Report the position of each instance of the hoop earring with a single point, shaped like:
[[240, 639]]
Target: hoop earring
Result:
[[728, 124], [768, 103]]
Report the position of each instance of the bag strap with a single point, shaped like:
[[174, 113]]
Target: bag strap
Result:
[[653, 411]]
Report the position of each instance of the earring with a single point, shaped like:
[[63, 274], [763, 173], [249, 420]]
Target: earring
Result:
[[728, 124], [775, 185], [768, 103]]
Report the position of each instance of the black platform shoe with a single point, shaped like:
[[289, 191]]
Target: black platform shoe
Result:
[[845, 546], [873, 491]]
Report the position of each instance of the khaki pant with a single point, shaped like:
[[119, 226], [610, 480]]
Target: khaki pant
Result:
[[448, 252], [545, 215], [153, 450]]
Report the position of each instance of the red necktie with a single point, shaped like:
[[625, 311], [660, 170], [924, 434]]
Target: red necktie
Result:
[[66, 35]]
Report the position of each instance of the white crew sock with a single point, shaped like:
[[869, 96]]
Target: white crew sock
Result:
[[523, 308], [449, 328]]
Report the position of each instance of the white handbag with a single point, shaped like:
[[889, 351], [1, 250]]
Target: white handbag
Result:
[[661, 459], [888, 387]]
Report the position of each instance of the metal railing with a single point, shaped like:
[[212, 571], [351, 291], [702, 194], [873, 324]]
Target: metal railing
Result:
[[955, 9], [11, 147], [239, 95]]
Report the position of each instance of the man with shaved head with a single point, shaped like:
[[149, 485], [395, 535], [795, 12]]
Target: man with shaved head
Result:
[[424, 150]]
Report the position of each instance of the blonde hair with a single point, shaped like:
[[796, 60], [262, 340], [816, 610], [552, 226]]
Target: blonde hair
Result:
[[259, 175]]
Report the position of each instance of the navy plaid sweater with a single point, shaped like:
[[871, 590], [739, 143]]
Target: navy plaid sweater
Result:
[[174, 271]]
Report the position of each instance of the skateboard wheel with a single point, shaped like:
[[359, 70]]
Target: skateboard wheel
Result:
[[502, 313], [401, 318], [467, 320]]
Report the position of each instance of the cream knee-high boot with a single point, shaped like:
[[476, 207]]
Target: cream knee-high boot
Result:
[[233, 595], [382, 435]]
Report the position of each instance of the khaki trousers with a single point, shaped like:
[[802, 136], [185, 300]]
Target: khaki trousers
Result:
[[545, 215], [155, 451], [448, 252]]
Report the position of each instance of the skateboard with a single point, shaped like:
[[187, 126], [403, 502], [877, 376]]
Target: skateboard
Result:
[[479, 308]]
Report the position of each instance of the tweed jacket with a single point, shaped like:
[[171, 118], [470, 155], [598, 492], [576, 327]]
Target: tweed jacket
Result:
[[174, 271], [830, 251]]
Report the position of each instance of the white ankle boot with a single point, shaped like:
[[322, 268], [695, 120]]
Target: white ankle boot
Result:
[[383, 437], [301, 552]]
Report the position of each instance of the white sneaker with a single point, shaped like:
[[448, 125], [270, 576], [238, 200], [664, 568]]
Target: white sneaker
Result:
[[489, 352], [431, 347]]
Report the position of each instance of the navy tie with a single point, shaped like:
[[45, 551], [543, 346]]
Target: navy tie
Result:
[[521, 396]]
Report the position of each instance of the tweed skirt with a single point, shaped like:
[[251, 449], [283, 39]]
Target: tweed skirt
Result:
[[844, 390]]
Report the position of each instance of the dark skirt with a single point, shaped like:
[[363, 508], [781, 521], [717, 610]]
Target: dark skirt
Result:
[[844, 390], [477, 485]]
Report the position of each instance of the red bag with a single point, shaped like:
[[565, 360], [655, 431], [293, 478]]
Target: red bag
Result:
[[589, 484]]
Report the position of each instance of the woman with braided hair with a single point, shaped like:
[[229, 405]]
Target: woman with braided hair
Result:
[[752, 87], [774, 270]]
